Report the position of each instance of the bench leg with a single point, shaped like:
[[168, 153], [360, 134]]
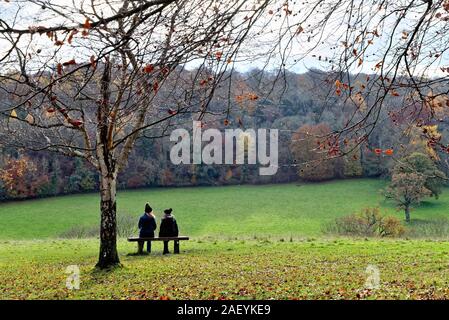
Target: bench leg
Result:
[[176, 246]]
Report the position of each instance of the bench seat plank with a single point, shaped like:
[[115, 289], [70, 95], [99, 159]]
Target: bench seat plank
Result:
[[158, 238]]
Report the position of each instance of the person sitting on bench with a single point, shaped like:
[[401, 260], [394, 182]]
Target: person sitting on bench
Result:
[[168, 228], [147, 225]]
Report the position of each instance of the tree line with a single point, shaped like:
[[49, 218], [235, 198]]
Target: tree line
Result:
[[306, 122]]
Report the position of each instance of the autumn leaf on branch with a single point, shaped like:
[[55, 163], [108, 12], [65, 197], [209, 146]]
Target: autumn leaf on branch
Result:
[[59, 68], [148, 68], [93, 62], [71, 35], [69, 63], [75, 122], [156, 87], [87, 24], [395, 94]]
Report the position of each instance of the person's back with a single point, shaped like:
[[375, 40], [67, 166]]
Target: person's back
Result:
[[147, 225], [168, 228]]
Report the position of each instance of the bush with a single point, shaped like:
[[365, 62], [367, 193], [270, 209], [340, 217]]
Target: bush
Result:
[[126, 226], [80, 232], [438, 228], [367, 223]]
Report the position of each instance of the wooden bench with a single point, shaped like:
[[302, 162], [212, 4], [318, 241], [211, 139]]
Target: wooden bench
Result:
[[176, 239]]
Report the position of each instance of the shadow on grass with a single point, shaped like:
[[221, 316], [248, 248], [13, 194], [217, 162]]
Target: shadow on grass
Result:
[[157, 253], [137, 254], [431, 204], [98, 275], [426, 204]]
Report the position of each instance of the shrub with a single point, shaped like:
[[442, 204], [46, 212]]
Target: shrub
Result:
[[438, 228], [79, 232], [367, 223], [126, 226]]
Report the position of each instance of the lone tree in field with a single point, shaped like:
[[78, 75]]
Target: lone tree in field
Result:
[[406, 190], [414, 178]]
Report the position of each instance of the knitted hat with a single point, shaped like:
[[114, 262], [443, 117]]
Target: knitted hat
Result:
[[148, 209]]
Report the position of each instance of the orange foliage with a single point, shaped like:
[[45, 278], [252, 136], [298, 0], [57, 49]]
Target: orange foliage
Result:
[[69, 63], [20, 178], [87, 24], [156, 86], [59, 69], [93, 63], [148, 68]]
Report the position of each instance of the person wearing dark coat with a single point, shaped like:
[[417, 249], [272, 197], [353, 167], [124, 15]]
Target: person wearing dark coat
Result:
[[169, 228], [147, 225]]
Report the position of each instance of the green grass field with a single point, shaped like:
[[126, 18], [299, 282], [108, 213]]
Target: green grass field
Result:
[[248, 242], [221, 212], [227, 269]]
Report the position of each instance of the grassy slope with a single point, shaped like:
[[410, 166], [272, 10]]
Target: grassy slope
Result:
[[253, 269], [214, 211]]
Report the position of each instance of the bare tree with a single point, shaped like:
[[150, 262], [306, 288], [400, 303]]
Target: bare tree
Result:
[[403, 45], [387, 60], [87, 79]]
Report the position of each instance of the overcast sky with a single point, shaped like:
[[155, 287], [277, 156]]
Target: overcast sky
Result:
[[328, 38]]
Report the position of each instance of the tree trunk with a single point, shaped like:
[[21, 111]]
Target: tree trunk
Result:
[[108, 229], [407, 213], [108, 179]]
